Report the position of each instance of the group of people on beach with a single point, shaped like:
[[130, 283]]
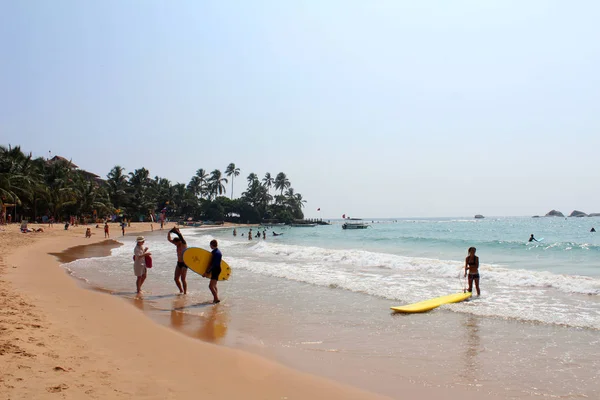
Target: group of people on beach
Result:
[[143, 261]]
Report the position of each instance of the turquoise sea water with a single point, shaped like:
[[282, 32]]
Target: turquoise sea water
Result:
[[318, 299], [556, 281]]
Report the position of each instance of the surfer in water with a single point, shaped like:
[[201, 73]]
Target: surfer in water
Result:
[[472, 268], [214, 270], [532, 239], [180, 268]]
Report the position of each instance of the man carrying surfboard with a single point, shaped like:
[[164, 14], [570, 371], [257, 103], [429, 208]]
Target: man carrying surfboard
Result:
[[214, 270], [180, 268]]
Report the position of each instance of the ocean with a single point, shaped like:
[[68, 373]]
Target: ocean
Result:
[[318, 298]]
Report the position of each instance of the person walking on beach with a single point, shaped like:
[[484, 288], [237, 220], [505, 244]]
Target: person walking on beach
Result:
[[106, 232], [472, 268], [123, 225], [139, 263], [532, 239], [214, 270], [180, 268]]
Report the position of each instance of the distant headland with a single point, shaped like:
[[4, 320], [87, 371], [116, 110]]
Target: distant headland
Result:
[[574, 213]]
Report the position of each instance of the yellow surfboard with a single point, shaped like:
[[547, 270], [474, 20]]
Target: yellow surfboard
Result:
[[198, 260], [427, 305]]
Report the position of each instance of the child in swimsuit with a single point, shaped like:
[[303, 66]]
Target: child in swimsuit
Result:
[[472, 267]]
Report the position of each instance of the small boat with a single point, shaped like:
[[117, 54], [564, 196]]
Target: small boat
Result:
[[303, 225], [355, 223]]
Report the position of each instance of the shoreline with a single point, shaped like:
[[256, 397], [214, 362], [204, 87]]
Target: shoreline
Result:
[[57, 337]]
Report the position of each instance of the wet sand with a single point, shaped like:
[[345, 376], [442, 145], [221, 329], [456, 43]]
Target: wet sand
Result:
[[354, 339], [57, 339]]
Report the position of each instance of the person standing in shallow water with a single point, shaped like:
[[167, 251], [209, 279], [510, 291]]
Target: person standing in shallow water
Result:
[[139, 263], [180, 268], [214, 270], [472, 268]]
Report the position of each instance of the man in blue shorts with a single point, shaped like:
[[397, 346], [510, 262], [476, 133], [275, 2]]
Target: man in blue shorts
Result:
[[214, 270]]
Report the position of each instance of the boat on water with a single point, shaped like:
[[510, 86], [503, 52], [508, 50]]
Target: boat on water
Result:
[[355, 223], [303, 225]]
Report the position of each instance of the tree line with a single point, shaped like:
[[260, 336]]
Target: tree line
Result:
[[57, 188]]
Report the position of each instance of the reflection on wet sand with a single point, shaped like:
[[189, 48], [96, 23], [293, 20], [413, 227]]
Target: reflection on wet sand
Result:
[[472, 347], [209, 325]]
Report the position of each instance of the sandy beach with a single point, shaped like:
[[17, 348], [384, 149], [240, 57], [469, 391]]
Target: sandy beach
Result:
[[58, 338]]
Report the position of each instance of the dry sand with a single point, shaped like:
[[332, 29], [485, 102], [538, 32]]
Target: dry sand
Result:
[[58, 340]]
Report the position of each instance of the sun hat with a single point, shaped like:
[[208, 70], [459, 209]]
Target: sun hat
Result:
[[140, 239]]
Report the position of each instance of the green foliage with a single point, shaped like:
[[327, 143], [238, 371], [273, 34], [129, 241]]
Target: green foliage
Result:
[[58, 188]]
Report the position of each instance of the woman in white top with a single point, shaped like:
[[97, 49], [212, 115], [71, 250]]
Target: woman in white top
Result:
[[139, 263]]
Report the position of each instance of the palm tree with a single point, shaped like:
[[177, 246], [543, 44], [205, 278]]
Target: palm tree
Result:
[[215, 184], [88, 196], [202, 181], [19, 175], [195, 186], [233, 172], [252, 178], [139, 183], [268, 181], [282, 182], [117, 186]]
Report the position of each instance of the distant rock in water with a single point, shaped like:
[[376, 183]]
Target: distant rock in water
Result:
[[576, 213], [594, 215], [555, 213], [535, 216], [479, 216]]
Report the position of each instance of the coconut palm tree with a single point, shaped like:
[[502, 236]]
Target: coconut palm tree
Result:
[[139, 184], [202, 181], [251, 178], [281, 182], [195, 186], [215, 183], [117, 186], [268, 181], [233, 172]]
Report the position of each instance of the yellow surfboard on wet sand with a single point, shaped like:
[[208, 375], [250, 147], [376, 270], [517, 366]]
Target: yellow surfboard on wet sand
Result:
[[427, 305], [198, 260]]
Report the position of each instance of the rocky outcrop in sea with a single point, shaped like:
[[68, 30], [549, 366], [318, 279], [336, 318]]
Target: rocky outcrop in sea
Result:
[[576, 213], [555, 213]]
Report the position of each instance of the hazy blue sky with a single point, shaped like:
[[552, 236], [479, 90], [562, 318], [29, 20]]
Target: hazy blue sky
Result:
[[372, 108]]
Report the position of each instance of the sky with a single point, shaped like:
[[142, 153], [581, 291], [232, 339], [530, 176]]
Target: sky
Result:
[[371, 108]]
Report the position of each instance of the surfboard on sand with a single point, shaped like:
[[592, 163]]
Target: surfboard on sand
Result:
[[427, 305], [198, 260]]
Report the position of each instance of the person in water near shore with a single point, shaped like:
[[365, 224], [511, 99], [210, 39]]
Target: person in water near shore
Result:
[[88, 233], [277, 234], [532, 239], [106, 232], [234, 232], [214, 270], [472, 267], [139, 263], [180, 268], [592, 230]]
